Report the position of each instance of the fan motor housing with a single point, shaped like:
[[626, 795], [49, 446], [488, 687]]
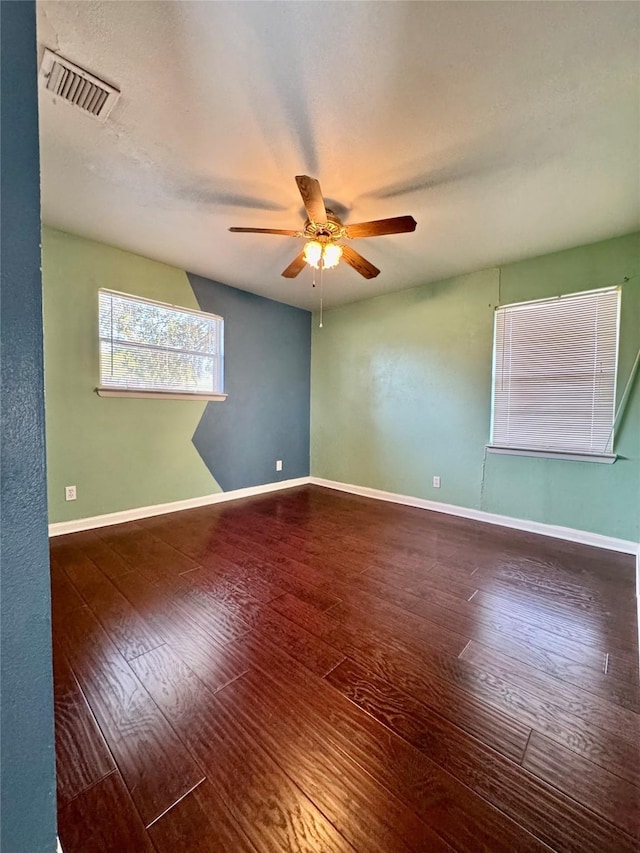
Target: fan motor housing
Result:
[[325, 232]]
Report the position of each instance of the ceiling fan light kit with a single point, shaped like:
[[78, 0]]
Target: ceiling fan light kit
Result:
[[322, 231], [325, 255]]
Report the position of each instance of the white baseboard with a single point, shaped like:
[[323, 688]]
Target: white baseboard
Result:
[[78, 524], [58, 846], [638, 600], [638, 596], [569, 533]]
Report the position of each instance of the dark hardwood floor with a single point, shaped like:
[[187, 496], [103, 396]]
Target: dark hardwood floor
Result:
[[313, 671]]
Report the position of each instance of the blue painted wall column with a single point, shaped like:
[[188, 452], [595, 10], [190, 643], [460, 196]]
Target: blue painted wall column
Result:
[[267, 364], [28, 822]]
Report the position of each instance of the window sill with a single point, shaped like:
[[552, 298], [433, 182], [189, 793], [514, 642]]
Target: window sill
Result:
[[606, 458], [157, 395]]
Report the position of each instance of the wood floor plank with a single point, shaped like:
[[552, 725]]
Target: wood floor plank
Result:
[[467, 618], [291, 579], [220, 621], [103, 819], [423, 584], [467, 822], [127, 629], [212, 615], [105, 558], [374, 612], [199, 823], [451, 683], [192, 532], [572, 700], [591, 612], [574, 627], [304, 549], [615, 799], [269, 808], [578, 674], [415, 672], [315, 654], [368, 816], [555, 818], [284, 572], [502, 692], [64, 596], [623, 666], [143, 551], [232, 574], [82, 756], [545, 559], [519, 639], [235, 599], [156, 766], [213, 661], [552, 584]]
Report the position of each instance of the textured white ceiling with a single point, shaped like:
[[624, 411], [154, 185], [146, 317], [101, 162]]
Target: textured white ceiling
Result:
[[506, 129]]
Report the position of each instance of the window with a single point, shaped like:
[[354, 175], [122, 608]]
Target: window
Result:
[[554, 375], [152, 349]]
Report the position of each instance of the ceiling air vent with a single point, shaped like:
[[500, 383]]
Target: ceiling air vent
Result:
[[77, 86]]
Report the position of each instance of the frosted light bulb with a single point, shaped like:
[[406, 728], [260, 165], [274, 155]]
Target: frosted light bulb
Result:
[[331, 255], [313, 253]]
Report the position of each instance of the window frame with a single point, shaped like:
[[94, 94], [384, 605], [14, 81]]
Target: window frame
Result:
[[607, 457], [154, 393]]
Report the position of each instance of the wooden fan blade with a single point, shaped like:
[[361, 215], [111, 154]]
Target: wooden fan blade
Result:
[[295, 267], [360, 264], [265, 231], [378, 227], [312, 198]]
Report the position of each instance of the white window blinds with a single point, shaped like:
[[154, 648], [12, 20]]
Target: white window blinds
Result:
[[554, 377], [150, 346]]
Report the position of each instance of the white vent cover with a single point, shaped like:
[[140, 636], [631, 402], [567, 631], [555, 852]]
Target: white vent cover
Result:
[[77, 86]]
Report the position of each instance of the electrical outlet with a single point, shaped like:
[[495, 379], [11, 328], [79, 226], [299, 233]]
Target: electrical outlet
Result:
[[278, 464], [70, 493], [436, 482]]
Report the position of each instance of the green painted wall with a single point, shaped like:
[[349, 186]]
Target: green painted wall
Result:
[[401, 390], [120, 453]]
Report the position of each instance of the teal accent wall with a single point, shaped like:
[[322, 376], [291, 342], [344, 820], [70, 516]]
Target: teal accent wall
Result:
[[401, 391], [267, 369], [28, 806]]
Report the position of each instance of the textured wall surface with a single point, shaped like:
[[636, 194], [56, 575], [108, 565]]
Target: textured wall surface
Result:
[[122, 452], [28, 788], [267, 367], [401, 391], [601, 498], [119, 452]]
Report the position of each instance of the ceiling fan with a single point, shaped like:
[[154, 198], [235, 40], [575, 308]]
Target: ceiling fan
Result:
[[323, 230]]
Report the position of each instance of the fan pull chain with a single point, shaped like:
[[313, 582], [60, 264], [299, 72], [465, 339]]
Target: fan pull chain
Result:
[[321, 290]]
